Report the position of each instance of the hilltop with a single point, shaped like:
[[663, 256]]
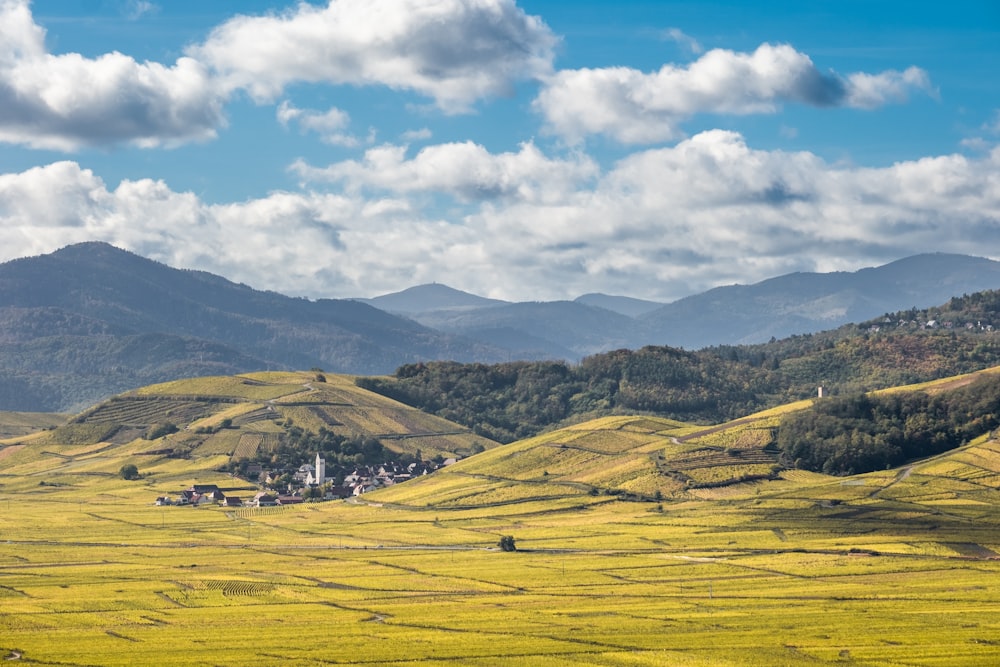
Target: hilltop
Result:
[[92, 320], [205, 429]]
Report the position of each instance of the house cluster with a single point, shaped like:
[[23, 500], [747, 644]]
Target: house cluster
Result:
[[202, 494], [310, 481], [358, 480], [932, 324]]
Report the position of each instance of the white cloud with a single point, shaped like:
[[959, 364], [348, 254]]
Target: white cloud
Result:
[[454, 51], [65, 102], [635, 107], [136, 9], [466, 171], [677, 35], [327, 124], [660, 224], [868, 91], [422, 134]]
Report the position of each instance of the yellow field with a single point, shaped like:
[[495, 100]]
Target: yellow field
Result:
[[16, 424], [107, 579], [618, 562]]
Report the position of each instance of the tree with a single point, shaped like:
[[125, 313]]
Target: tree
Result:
[[128, 471], [159, 430], [507, 543]]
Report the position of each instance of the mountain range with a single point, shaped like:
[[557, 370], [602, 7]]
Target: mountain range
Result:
[[92, 320], [795, 303]]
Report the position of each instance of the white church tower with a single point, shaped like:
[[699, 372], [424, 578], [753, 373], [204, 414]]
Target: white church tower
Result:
[[320, 470]]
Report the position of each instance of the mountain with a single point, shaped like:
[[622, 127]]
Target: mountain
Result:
[[538, 329], [432, 297], [624, 305], [91, 320], [510, 401], [795, 303], [800, 303]]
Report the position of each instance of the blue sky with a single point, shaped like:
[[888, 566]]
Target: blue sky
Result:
[[521, 150]]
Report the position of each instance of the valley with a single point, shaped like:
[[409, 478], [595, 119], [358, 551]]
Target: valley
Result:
[[639, 541]]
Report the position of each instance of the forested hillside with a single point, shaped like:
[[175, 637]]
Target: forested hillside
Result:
[[515, 400], [92, 320], [865, 432]]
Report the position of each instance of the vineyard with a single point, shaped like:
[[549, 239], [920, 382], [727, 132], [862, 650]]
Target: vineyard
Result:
[[777, 579], [639, 542]]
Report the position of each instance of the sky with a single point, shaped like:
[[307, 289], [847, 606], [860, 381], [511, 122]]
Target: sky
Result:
[[531, 150]]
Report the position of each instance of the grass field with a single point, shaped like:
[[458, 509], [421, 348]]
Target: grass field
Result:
[[895, 568]]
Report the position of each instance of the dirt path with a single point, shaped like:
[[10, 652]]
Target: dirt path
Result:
[[900, 476]]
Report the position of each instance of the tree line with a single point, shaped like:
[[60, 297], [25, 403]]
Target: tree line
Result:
[[510, 401], [861, 433]]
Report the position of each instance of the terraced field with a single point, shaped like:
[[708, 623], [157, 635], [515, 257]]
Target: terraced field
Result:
[[894, 568]]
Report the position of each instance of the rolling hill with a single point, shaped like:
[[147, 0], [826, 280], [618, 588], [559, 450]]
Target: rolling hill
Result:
[[216, 422], [638, 540], [92, 320], [650, 458]]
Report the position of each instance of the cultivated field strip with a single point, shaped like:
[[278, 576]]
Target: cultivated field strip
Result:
[[617, 563], [597, 582], [123, 410]]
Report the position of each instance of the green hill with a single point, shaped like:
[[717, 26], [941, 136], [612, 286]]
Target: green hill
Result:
[[201, 429], [511, 401], [650, 458], [894, 567]]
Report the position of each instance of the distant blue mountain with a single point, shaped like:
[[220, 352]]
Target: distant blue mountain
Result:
[[433, 296], [624, 305], [800, 303], [796, 303], [92, 320]]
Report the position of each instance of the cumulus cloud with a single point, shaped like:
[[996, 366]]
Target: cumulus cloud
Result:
[[65, 102], [466, 171], [454, 51], [637, 107], [868, 91], [327, 124], [659, 224]]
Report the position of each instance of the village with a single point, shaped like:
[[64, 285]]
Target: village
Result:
[[310, 483]]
